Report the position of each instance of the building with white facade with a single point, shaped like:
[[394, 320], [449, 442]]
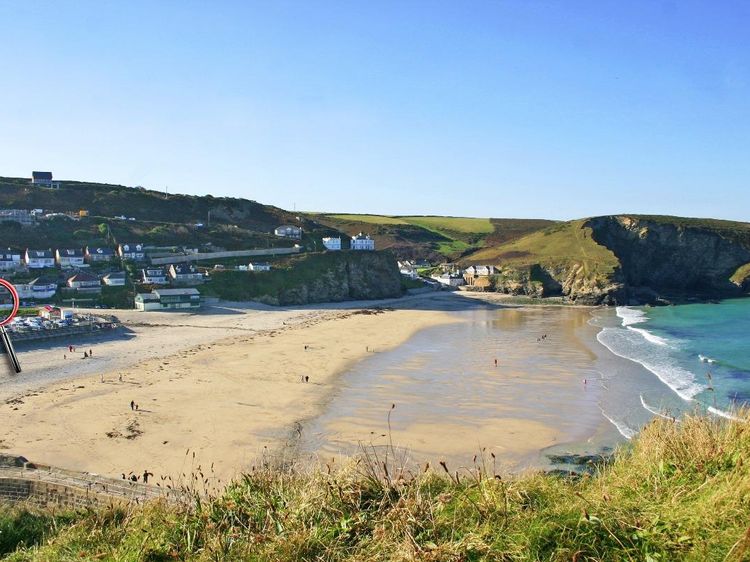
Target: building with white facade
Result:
[[362, 242], [115, 279], [288, 231], [99, 254], [10, 260], [259, 266], [133, 252], [332, 244], [69, 257], [39, 289], [21, 216], [153, 276], [37, 259]]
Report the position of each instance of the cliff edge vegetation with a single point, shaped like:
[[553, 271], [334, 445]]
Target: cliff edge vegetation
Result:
[[312, 278], [681, 491], [623, 259]]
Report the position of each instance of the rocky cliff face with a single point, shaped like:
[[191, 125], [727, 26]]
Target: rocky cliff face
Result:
[[663, 259], [344, 276], [659, 259]]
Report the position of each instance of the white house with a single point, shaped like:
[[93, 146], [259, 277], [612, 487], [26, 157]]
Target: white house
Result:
[[288, 231], [116, 279], [168, 299], [259, 266], [85, 283], [99, 254], [153, 276], [21, 216], [10, 260], [40, 288], [37, 259], [362, 242], [407, 269], [69, 257], [185, 273], [480, 270], [449, 279], [332, 244], [133, 252]]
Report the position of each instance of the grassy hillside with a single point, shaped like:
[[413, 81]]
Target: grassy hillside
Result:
[[433, 237], [682, 492], [554, 246], [160, 220]]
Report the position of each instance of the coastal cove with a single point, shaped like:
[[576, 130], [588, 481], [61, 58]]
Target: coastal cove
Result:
[[418, 375]]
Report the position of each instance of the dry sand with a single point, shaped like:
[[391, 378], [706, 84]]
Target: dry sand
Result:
[[220, 403], [225, 387]]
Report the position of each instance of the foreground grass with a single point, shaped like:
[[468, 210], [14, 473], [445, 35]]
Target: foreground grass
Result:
[[682, 492]]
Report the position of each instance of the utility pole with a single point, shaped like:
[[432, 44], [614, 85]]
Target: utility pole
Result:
[[166, 192]]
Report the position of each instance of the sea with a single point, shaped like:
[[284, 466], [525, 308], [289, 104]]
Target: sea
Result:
[[698, 356]]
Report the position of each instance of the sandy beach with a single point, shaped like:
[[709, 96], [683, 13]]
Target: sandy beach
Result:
[[228, 386]]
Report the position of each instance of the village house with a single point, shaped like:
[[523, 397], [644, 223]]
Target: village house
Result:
[[332, 244], [259, 266], [153, 276], [37, 259], [168, 299], [10, 260], [94, 255], [40, 288], [84, 282], [69, 257], [21, 216], [115, 279], [185, 273], [362, 242], [49, 312], [407, 269], [288, 231], [44, 179], [478, 275], [134, 252], [449, 279]]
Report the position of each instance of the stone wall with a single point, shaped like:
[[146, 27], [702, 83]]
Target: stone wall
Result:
[[45, 486]]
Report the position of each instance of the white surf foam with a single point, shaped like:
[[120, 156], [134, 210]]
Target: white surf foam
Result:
[[655, 358], [705, 359], [656, 412], [631, 315], [627, 432], [726, 415]]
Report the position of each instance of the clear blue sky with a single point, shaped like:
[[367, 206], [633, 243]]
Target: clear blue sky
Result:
[[506, 109]]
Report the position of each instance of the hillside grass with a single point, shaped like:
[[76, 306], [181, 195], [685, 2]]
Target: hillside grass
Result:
[[434, 237], [555, 246], [681, 492], [741, 275]]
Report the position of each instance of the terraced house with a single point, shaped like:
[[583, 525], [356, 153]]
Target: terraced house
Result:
[[85, 282], [10, 260], [130, 251], [94, 255], [38, 259], [70, 257]]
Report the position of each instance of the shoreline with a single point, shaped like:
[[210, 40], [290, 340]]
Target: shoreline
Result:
[[198, 399]]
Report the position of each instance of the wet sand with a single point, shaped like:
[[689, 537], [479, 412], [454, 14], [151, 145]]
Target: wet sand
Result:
[[452, 402], [225, 389]]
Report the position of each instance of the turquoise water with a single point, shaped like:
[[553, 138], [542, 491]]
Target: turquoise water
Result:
[[700, 353]]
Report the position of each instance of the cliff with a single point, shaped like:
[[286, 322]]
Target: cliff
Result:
[[313, 278], [626, 259]]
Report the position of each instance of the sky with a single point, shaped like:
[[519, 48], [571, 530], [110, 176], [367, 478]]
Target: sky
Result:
[[523, 108]]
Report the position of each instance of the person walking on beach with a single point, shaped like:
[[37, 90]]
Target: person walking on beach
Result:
[[91, 352], [85, 355], [495, 362], [146, 475], [132, 405]]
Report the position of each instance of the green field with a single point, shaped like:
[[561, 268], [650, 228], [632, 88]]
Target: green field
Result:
[[433, 237], [559, 245]]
